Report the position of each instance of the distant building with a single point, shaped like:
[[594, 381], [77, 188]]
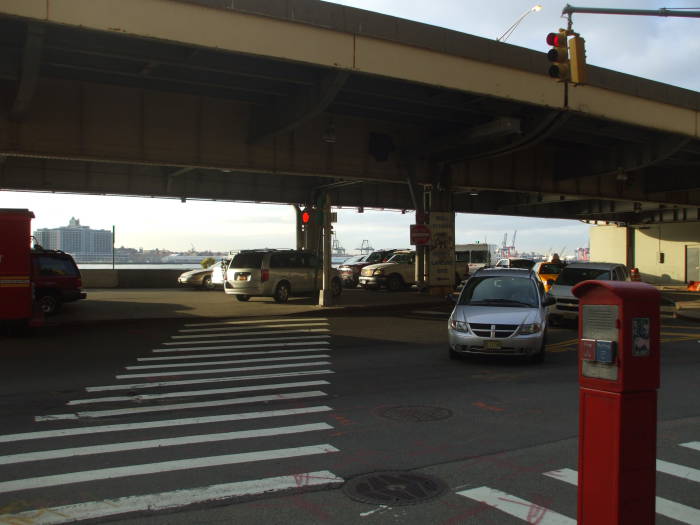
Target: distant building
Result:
[[82, 242]]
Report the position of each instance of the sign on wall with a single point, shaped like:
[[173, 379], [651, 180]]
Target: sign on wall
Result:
[[442, 249]]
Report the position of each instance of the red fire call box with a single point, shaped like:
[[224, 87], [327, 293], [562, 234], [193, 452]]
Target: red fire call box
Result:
[[618, 377], [15, 264]]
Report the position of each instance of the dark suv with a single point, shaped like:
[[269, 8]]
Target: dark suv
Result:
[[56, 279], [350, 269]]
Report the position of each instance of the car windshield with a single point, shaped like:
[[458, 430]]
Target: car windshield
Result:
[[402, 258], [247, 260], [504, 290], [376, 257], [355, 259], [572, 276], [551, 269]]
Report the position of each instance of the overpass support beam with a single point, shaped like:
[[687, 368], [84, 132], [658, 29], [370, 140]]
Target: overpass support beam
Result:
[[441, 256], [325, 297], [29, 74], [418, 201]]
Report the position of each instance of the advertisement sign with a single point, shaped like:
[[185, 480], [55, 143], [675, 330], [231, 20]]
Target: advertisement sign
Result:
[[442, 249]]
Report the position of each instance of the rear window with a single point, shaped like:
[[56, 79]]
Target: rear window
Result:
[[572, 276], [247, 260], [550, 269], [521, 263], [57, 266]]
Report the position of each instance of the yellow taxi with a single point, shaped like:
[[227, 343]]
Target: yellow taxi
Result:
[[548, 271]]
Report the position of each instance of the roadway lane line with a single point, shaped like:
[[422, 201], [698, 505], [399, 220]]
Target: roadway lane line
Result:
[[519, 508], [257, 321], [695, 445], [163, 423], [232, 354], [222, 370], [273, 332], [234, 347], [138, 386], [228, 362], [665, 507], [680, 471], [180, 406], [161, 467], [245, 329], [206, 337], [94, 510], [196, 393], [217, 341], [92, 450]]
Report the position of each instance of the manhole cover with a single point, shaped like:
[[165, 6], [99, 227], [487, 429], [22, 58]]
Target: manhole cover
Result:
[[415, 413], [394, 488]]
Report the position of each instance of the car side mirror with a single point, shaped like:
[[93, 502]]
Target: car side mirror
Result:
[[548, 300]]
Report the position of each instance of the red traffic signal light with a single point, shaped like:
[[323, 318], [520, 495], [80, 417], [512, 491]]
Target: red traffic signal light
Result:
[[559, 55], [305, 217]]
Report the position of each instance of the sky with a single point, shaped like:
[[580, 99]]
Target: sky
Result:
[[659, 48]]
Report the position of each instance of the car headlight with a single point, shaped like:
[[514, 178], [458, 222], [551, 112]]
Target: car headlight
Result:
[[460, 326], [530, 328], [378, 271]]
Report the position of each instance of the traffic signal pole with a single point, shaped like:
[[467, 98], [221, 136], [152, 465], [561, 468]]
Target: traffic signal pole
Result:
[[570, 10]]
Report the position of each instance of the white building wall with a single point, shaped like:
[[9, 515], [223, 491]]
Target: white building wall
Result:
[[671, 240], [608, 244]]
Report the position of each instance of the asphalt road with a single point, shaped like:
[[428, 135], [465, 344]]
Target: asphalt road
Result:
[[130, 418]]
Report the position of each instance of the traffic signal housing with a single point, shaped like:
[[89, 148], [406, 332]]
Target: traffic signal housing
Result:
[[577, 59], [559, 56]]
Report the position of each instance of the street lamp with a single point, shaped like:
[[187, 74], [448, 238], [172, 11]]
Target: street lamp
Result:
[[512, 28]]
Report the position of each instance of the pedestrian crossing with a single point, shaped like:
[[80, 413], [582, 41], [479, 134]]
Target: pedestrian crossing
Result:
[[532, 512], [118, 432]]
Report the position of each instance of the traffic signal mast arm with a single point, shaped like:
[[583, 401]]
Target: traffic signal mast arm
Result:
[[570, 10]]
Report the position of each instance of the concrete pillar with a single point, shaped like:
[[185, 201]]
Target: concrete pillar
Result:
[[441, 257], [325, 296]]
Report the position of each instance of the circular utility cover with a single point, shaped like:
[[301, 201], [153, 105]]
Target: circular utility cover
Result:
[[394, 488], [415, 413]]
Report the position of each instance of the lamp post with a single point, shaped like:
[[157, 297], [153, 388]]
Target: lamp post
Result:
[[512, 28]]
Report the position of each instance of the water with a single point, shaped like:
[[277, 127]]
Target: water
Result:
[[335, 261]]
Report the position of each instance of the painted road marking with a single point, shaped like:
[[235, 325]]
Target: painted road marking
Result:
[[695, 445], [228, 362], [665, 507], [232, 354], [222, 370], [306, 331], [233, 347], [245, 330], [519, 508], [205, 337], [163, 466], [680, 471], [181, 406], [157, 443], [169, 500], [163, 423], [139, 386], [257, 321], [194, 393]]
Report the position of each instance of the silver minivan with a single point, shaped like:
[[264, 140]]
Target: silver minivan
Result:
[[277, 274]]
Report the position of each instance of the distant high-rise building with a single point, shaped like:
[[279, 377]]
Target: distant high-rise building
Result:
[[82, 242]]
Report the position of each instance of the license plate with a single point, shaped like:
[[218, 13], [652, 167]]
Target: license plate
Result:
[[492, 345]]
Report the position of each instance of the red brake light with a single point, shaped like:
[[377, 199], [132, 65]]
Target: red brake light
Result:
[[265, 275]]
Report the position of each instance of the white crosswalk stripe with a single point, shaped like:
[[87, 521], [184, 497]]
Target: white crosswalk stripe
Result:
[[169, 500], [265, 350]]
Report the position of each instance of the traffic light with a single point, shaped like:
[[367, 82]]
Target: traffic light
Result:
[[577, 59], [306, 216], [559, 56]]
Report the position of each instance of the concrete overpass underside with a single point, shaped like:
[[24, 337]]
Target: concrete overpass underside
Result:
[[198, 100]]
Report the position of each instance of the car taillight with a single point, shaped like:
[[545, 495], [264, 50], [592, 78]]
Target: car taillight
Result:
[[265, 276]]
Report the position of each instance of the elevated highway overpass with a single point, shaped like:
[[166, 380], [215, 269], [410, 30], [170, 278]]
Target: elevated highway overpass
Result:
[[276, 101]]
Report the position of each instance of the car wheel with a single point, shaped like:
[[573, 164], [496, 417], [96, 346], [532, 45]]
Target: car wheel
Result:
[[243, 298], [394, 283], [49, 303], [207, 284], [336, 287], [539, 356], [281, 293]]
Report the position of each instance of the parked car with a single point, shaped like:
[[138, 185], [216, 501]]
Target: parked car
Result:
[[515, 263], [548, 272], [56, 279], [500, 312], [276, 273], [566, 306], [350, 269], [200, 277], [394, 274]]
